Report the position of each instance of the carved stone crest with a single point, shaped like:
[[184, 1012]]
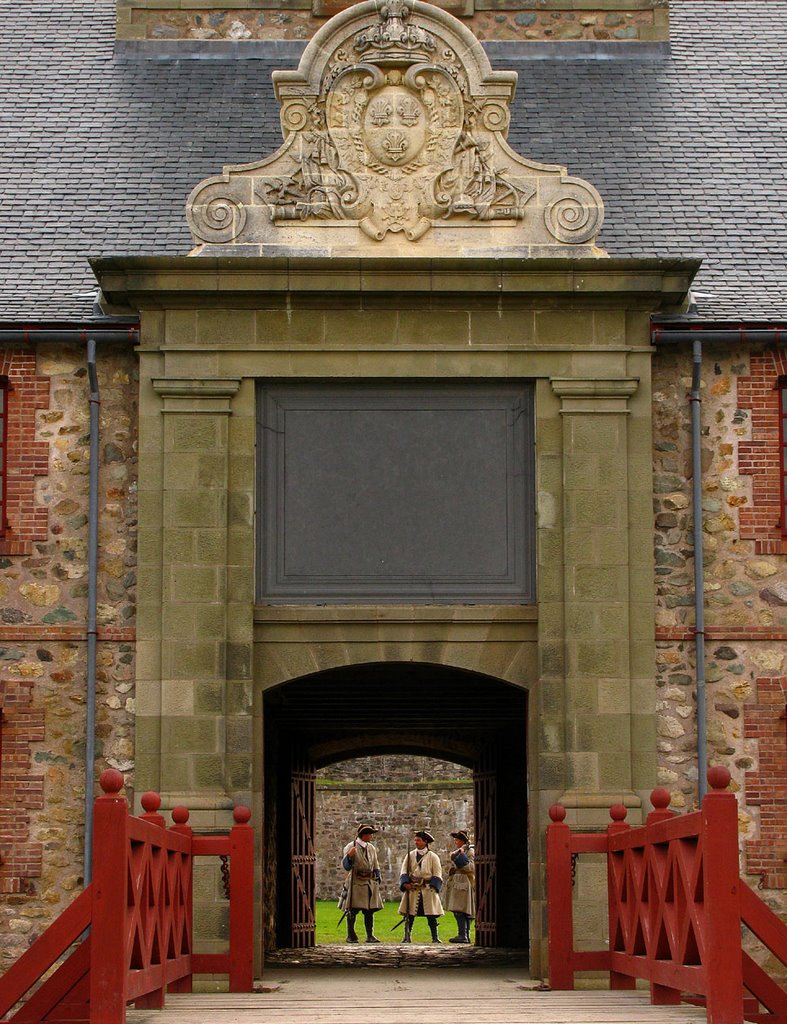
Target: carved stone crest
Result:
[[395, 133]]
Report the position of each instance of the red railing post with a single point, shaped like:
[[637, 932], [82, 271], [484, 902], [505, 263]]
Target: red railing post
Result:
[[153, 1000], [108, 959], [618, 812], [241, 902], [660, 995], [560, 911], [721, 884], [180, 818]]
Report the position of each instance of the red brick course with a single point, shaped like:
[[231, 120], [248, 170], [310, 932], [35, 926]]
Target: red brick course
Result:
[[766, 788], [21, 790], [760, 458], [26, 458]]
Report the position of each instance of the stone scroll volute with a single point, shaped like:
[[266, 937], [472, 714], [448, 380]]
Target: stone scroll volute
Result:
[[395, 132]]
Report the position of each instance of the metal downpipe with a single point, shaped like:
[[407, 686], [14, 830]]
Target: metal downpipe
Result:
[[699, 571], [92, 569]]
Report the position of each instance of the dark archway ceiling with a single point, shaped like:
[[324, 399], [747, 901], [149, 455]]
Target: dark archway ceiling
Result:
[[400, 707]]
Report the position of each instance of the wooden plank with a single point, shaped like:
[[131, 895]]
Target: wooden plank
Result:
[[517, 1007]]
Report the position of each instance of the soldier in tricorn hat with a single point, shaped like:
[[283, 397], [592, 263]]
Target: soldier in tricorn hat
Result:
[[361, 889], [460, 887], [421, 879]]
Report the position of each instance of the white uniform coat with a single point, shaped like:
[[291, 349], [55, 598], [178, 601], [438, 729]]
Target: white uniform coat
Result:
[[460, 886], [420, 873], [361, 883]]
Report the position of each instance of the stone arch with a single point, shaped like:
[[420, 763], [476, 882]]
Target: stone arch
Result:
[[405, 707], [503, 647]]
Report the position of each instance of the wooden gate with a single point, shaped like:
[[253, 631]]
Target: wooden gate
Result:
[[302, 854], [485, 801]]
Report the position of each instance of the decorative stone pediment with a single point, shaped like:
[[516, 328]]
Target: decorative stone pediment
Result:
[[395, 132]]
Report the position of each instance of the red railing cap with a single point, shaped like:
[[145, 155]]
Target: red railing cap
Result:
[[241, 814], [660, 798], [180, 814], [150, 802], [719, 777], [618, 812], [111, 781], [557, 813]]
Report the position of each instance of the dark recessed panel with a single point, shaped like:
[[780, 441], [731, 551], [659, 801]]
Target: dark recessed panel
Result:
[[395, 493]]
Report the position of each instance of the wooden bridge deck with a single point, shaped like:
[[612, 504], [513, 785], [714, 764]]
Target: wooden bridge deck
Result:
[[385, 996]]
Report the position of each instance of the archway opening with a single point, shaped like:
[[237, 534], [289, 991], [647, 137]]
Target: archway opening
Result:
[[411, 709], [397, 793]]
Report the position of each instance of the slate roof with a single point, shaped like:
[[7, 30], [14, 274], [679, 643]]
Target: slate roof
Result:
[[98, 154]]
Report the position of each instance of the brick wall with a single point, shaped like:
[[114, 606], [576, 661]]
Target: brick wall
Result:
[[43, 608], [760, 457], [21, 788], [766, 787], [27, 457]]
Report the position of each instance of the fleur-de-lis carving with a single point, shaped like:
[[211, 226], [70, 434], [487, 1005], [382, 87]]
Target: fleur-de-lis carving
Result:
[[409, 111], [395, 145], [380, 113]]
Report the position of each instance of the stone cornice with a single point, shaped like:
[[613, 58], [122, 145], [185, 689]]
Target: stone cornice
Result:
[[594, 395], [196, 395], [183, 281]]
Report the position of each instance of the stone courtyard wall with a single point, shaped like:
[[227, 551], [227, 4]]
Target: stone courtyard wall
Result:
[[397, 794], [43, 611]]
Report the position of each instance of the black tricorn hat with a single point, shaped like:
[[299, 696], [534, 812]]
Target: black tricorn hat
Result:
[[426, 836], [461, 834], [365, 830]]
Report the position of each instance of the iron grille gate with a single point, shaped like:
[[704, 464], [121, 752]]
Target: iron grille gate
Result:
[[485, 795], [302, 853]]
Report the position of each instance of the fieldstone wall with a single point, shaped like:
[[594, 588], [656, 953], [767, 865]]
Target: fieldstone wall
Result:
[[398, 794], [624, 21], [746, 610], [43, 609]]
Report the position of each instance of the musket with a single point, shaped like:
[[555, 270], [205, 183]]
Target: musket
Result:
[[404, 916], [348, 902]]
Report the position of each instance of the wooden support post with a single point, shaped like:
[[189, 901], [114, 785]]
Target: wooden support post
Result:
[[722, 901], [241, 902], [108, 959], [560, 911]]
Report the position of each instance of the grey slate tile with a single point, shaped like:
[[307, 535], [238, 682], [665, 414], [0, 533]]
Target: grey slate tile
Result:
[[687, 149]]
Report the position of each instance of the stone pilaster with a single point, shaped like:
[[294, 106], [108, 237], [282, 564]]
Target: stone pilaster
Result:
[[597, 592], [195, 546]]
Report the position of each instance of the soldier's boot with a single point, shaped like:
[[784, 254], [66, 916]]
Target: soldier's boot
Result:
[[466, 929], [351, 935], [432, 919], [460, 918], [368, 920], [408, 928]]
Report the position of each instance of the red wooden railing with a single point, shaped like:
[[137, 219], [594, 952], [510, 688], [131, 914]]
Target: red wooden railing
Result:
[[138, 910], [676, 906]]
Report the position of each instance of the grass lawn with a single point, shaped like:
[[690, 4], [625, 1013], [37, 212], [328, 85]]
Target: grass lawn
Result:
[[328, 915]]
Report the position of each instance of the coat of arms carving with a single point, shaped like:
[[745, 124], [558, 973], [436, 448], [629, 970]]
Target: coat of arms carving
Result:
[[395, 132]]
